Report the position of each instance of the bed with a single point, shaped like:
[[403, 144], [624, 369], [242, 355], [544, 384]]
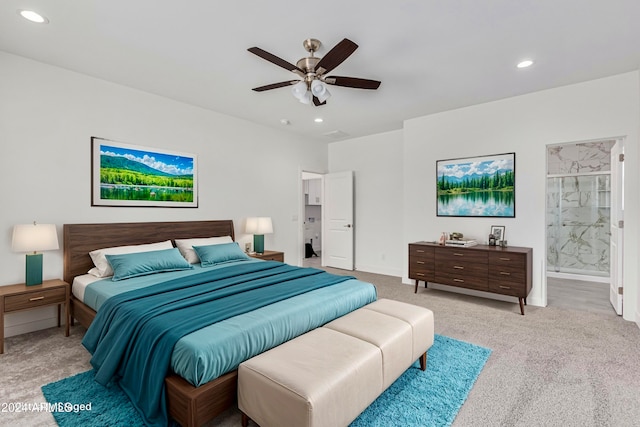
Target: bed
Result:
[[187, 404]]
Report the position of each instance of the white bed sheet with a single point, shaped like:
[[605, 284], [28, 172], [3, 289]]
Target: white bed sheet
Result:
[[80, 283]]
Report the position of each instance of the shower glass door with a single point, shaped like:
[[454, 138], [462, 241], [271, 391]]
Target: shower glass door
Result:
[[578, 224]]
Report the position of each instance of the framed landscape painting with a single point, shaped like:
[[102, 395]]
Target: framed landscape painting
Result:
[[132, 175], [477, 186]]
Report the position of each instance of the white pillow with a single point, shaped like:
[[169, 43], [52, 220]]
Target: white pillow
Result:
[[185, 246], [103, 268]]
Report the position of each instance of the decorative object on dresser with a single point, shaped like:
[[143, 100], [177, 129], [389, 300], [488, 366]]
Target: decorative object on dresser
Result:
[[494, 269], [269, 256], [259, 226], [132, 175], [32, 238], [481, 186], [498, 232], [22, 297]]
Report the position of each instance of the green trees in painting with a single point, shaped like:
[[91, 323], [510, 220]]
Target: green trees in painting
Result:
[[504, 181], [129, 177]]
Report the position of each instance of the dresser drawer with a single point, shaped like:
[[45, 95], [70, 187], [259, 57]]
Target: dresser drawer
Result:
[[507, 273], [507, 288], [462, 267], [461, 280], [34, 299], [421, 251], [459, 255], [512, 260]]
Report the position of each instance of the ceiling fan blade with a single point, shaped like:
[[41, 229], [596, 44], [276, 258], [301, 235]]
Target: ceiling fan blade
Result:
[[352, 82], [275, 60], [275, 85], [317, 102], [336, 56]]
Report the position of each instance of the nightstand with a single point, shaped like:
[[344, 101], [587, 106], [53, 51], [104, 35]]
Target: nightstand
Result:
[[22, 297], [269, 256]]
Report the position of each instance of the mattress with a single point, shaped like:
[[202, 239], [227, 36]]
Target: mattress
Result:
[[204, 355]]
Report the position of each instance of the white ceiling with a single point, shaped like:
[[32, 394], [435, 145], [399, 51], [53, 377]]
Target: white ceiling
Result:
[[431, 56]]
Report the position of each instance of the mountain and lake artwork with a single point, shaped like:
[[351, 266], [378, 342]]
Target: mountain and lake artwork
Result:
[[477, 186], [136, 176]]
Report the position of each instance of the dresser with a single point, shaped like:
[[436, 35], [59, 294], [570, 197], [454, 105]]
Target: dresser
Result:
[[505, 271]]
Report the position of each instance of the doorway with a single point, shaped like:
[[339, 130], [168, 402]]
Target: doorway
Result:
[[312, 185], [582, 252]]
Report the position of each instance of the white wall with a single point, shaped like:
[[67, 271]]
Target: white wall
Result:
[[377, 164], [47, 117], [525, 125]]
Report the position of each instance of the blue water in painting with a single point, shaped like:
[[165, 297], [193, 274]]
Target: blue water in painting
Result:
[[488, 203]]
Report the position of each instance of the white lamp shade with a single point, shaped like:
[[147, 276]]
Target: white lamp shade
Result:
[[319, 90], [34, 237], [299, 89], [259, 225]]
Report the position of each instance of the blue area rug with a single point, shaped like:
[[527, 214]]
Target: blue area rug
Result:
[[418, 398]]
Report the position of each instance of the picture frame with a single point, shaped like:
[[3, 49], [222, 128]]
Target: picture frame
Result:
[[498, 232], [481, 186], [132, 175]]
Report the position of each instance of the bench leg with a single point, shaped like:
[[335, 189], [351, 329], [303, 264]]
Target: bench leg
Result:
[[423, 361]]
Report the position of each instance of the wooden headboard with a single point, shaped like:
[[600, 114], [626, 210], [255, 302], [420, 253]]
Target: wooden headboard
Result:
[[80, 239]]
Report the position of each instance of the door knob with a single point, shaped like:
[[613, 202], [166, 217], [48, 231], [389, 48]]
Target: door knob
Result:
[[348, 225]]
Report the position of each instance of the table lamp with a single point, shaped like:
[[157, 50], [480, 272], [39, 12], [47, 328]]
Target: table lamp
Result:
[[32, 238], [259, 226]]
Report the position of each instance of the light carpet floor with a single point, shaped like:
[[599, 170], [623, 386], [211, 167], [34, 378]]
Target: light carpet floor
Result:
[[551, 367]]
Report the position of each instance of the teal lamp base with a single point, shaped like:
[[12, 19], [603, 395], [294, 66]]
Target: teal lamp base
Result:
[[258, 243], [34, 269]]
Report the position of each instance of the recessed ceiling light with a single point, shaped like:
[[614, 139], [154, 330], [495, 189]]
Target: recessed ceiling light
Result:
[[526, 63], [285, 122], [33, 16], [318, 120]]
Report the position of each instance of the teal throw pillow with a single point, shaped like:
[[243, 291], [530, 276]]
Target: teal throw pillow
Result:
[[126, 266], [219, 254]]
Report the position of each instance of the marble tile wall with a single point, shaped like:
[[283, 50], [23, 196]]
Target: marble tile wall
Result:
[[578, 208], [579, 158]]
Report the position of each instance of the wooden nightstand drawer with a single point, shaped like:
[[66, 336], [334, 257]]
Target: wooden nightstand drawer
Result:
[[34, 299], [21, 297], [270, 256]]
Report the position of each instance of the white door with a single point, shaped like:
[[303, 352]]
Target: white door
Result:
[[337, 248], [617, 225]]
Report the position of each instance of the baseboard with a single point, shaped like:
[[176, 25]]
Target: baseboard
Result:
[[638, 318], [375, 269], [25, 328]]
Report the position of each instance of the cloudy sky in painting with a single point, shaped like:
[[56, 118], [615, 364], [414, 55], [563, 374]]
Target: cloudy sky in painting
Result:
[[168, 163]]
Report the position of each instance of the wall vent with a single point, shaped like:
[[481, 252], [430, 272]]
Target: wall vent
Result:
[[336, 134]]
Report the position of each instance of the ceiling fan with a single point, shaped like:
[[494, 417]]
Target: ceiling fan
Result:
[[312, 70]]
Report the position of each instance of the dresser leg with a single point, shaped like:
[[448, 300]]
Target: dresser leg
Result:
[[522, 302], [415, 291]]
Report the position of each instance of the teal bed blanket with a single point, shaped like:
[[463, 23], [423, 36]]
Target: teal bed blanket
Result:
[[133, 334]]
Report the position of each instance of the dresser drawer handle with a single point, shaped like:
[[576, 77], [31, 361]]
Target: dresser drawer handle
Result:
[[419, 274], [505, 273], [505, 287], [420, 251], [505, 259], [458, 267], [458, 254], [36, 298], [419, 262], [458, 280]]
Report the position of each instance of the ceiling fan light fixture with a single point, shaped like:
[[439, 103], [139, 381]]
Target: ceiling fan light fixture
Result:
[[320, 91], [306, 98], [299, 89]]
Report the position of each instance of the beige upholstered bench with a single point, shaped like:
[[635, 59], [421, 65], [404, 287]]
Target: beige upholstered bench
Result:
[[328, 376]]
